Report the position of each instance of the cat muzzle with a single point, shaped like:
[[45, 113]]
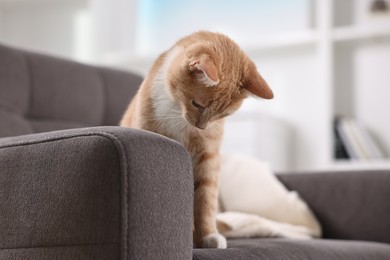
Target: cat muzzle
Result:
[[201, 125]]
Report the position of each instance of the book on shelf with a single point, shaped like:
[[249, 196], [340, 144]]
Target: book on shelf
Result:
[[352, 141], [340, 151]]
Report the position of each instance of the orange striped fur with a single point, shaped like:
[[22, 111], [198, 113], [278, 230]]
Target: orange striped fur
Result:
[[185, 96]]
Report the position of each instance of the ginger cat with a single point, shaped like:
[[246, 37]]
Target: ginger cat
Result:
[[185, 96]]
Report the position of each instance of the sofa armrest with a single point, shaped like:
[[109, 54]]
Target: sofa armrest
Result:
[[95, 193], [349, 205]]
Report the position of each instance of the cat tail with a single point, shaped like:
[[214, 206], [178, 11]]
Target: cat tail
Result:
[[242, 225]]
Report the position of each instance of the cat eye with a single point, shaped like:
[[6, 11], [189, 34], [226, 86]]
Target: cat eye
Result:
[[196, 105]]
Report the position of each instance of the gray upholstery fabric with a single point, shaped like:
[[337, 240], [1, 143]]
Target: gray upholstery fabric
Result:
[[39, 93], [114, 188], [64, 90], [284, 249], [349, 205], [84, 252], [117, 98], [14, 81]]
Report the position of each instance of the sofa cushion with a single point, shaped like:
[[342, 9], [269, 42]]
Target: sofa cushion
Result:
[[120, 87], [40, 93], [45, 125], [349, 204], [65, 90], [255, 249], [13, 124], [14, 80]]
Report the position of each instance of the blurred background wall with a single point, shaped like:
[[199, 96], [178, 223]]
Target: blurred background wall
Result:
[[324, 59]]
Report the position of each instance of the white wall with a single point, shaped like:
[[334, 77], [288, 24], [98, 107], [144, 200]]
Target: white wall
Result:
[[1, 22], [47, 27], [299, 101], [344, 97], [262, 136], [114, 27], [161, 23], [372, 90]]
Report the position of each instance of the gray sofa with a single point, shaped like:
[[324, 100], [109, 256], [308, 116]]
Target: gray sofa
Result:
[[75, 186]]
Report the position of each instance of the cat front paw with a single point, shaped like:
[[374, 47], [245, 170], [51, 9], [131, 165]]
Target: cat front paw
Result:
[[214, 240]]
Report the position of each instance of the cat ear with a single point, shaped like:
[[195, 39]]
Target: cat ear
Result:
[[258, 86], [206, 69]]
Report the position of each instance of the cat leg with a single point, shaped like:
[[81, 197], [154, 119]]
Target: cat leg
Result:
[[206, 174], [214, 240]]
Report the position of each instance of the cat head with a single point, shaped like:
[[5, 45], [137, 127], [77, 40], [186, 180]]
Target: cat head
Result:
[[211, 76]]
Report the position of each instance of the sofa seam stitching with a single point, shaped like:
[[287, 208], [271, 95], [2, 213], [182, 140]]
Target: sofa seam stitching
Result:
[[105, 91], [59, 246], [54, 138], [45, 140], [124, 190], [31, 86]]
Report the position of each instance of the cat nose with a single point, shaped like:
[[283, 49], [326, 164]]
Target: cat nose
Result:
[[201, 125]]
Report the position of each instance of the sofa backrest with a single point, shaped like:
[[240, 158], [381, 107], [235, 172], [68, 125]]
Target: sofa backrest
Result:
[[39, 93]]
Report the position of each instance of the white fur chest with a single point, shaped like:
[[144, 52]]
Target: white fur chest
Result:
[[166, 111]]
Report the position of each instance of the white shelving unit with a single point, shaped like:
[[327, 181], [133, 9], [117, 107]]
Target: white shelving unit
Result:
[[361, 80], [358, 33], [361, 165], [349, 55]]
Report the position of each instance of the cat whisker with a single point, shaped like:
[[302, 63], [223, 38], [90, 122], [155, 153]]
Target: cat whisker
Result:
[[214, 129]]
